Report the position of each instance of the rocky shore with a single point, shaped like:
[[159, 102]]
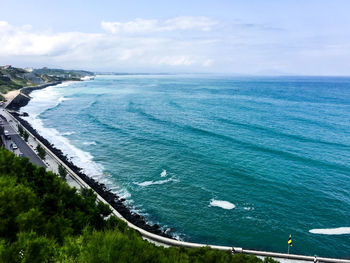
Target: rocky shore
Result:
[[114, 200], [23, 98]]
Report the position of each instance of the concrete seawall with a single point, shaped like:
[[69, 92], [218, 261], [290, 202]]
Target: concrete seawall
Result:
[[23, 98], [171, 242]]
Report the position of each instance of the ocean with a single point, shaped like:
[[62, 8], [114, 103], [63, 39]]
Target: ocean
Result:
[[225, 160]]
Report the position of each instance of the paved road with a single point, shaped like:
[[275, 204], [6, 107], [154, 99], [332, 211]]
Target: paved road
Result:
[[22, 146], [27, 151]]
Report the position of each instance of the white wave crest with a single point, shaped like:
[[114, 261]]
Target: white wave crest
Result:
[[61, 99], [89, 143], [67, 133], [48, 98], [163, 173], [148, 183], [87, 78], [222, 204], [331, 231], [80, 158]]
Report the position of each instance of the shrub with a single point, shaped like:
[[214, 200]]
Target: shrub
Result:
[[41, 152], [62, 172]]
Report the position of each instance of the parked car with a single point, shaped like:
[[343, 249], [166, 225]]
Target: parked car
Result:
[[21, 155], [7, 135], [14, 146]]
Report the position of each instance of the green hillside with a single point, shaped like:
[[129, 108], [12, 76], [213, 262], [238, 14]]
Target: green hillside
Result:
[[61, 73], [12, 78], [42, 219]]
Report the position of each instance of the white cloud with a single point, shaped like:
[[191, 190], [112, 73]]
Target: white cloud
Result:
[[190, 22], [108, 51], [185, 44], [136, 26], [175, 60], [153, 25]]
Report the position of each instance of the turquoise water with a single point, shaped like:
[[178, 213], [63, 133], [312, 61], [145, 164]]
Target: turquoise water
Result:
[[222, 160]]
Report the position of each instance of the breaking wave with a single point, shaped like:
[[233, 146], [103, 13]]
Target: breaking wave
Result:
[[222, 204], [90, 143], [331, 231], [148, 183]]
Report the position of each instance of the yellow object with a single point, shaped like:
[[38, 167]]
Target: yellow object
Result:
[[290, 240]]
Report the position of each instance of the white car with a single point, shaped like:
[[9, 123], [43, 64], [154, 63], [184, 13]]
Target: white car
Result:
[[14, 146]]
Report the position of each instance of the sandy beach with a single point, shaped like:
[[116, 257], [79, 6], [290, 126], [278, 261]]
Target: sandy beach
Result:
[[11, 94]]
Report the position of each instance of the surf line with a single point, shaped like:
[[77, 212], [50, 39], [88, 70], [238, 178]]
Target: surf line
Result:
[[331, 231], [156, 237], [166, 241]]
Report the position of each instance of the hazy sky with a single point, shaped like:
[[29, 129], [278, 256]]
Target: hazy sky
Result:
[[225, 36]]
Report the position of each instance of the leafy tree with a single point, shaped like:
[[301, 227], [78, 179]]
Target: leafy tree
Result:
[[41, 152], [25, 136], [62, 172], [16, 201], [20, 130], [32, 248]]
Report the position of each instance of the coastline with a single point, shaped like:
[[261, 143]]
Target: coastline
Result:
[[21, 98], [174, 242], [113, 199]]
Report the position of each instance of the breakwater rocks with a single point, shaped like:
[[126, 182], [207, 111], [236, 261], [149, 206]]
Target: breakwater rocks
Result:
[[19, 101], [115, 201]]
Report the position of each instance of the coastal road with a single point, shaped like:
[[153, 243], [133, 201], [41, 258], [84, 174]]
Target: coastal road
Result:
[[27, 151], [51, 163], [22, 146]]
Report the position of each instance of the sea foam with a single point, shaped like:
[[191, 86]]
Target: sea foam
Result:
[[67, 133], [148, 183], [222, 204], [163, 173], [331, 231], [90, 143], [45, 99]]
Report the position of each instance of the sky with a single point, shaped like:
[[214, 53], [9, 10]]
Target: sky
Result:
[[257, 37]]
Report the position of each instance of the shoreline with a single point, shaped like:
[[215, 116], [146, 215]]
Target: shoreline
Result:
[[113, 199], [155, 236], [22, 97]]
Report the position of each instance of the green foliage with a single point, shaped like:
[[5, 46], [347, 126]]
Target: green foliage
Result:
[[15, 202], [20, 130], [12, 78], [25, 136], [61, 74], [41, 152], [23, 133], [62, 172], [42, 219]]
